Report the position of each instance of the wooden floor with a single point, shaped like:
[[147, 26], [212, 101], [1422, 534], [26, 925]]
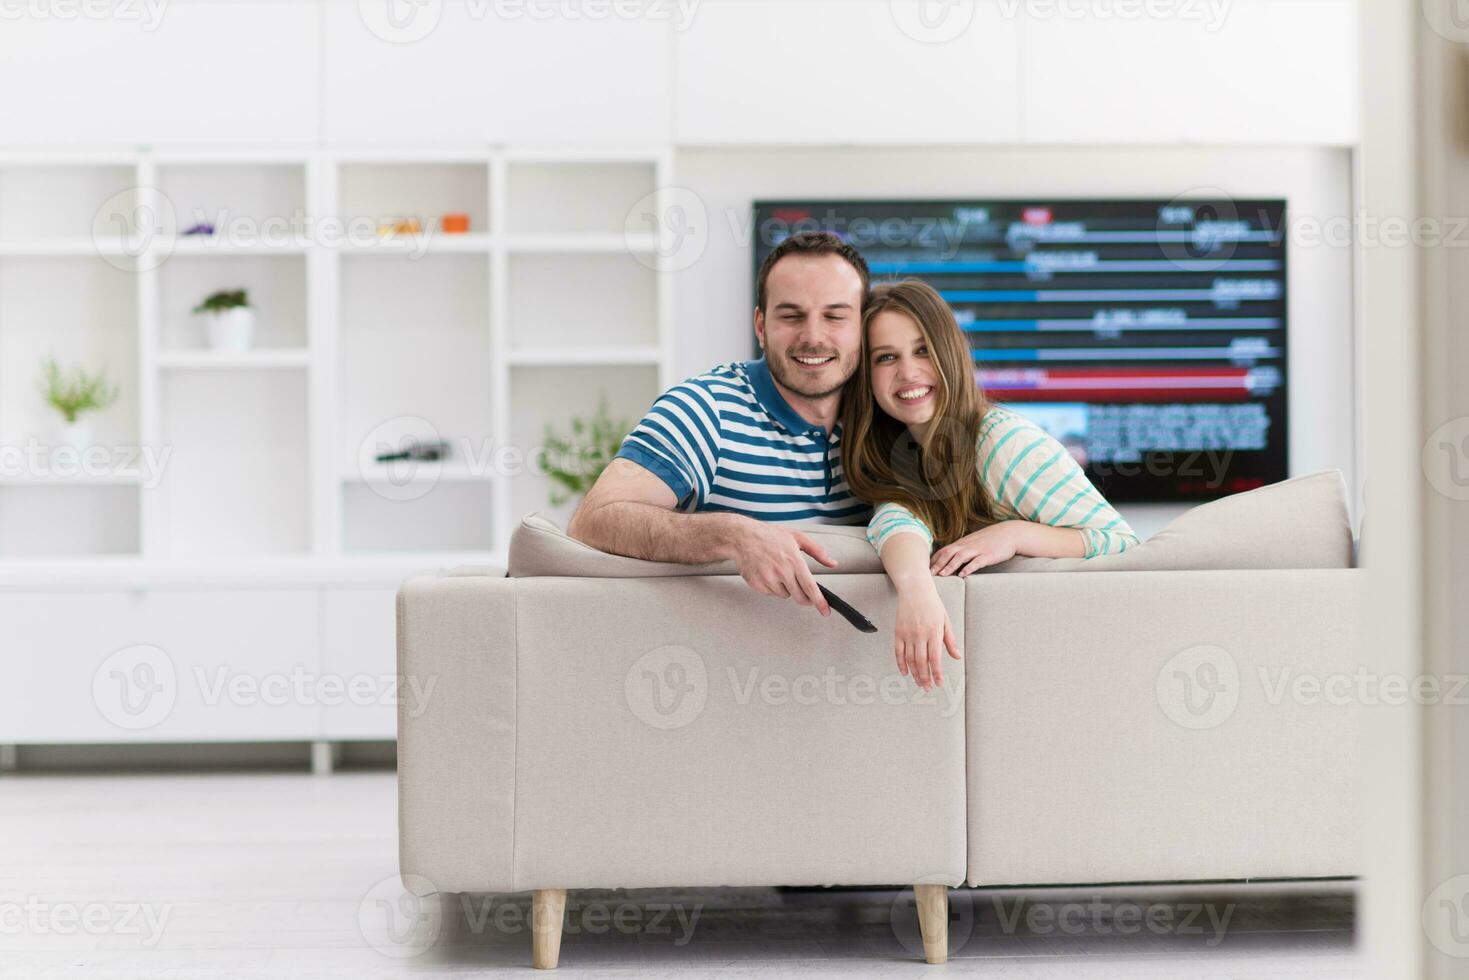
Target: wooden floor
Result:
[[289, 875]]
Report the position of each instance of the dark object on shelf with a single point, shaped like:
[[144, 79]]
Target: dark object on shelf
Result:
[[847, 612], [202, 228], [413, 449]]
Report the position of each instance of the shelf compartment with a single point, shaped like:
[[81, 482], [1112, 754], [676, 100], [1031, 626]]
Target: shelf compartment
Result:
[[542, 395], [276, 285], [426, 191], [84, 313], [582, 301], [237, 480], [41, 518], [248, 203], [68, 200], [414, 352], [595, 197], [449, 516]]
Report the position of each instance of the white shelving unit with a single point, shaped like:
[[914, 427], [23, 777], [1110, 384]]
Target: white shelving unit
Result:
[[550, 301], [248, 525]]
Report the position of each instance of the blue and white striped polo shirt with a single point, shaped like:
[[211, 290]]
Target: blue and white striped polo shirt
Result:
[[727, 441]]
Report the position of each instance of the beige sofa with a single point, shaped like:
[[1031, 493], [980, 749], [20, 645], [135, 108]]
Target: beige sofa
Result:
[[602, 722]]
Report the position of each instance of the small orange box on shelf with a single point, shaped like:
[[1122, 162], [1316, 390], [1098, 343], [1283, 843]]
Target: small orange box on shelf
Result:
[[454, 224]]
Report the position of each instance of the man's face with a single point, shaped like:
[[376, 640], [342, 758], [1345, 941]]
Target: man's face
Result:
[[811, 330]]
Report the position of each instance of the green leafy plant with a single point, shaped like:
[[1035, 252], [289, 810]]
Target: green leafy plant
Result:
[[74, 393], [225, 299], [574, 460]]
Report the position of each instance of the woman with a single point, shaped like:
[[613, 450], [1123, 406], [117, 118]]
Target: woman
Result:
[[943, 464]]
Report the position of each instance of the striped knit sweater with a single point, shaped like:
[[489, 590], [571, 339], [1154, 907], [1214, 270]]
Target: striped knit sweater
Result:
[[1030, 476]]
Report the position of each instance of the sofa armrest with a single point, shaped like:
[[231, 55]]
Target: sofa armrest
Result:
[[456, 746]]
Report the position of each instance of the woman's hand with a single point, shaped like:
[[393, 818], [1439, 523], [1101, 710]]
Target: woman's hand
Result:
[[987, 546], [923, 634]]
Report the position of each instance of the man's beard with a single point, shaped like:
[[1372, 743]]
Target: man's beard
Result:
[[790, 377]]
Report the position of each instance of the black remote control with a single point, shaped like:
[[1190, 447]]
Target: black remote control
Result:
[[847, 612]]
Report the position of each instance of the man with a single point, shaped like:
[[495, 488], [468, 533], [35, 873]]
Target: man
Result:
[[722, 460]]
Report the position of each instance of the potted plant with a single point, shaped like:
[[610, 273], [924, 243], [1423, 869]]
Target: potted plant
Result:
[[74, 395], [573, 462], [229, 322]]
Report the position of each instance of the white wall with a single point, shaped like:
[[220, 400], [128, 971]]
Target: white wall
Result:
[[714, 311], [688, 71]]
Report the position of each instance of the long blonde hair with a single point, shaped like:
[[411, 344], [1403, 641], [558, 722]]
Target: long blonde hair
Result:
[[937, 477]]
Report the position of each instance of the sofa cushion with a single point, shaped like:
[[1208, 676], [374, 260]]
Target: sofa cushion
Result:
[[539, 548], [1297, 523]]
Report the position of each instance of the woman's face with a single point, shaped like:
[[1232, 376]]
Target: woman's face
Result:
[[905, 379]]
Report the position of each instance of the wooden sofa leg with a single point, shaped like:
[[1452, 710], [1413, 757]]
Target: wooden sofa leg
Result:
[[548, 912], [933, 920]]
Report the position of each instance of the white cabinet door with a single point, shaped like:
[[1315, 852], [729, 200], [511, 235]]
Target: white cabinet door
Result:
[[162, 667], [835, 71], [157, 71], [53, 646], [1251, 71], [455, 71], [361, 649]]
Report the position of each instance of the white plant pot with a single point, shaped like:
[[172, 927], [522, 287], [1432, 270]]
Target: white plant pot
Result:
[[75, 435], [230, 330]]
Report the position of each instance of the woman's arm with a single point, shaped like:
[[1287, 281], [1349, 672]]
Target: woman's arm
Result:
[[923, 631], [1031, 477], [1046, 506]]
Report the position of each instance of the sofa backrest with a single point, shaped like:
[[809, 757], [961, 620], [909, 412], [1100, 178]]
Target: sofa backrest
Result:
[[1297, 523]]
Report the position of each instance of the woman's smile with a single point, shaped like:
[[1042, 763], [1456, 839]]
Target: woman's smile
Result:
[[914, 394]]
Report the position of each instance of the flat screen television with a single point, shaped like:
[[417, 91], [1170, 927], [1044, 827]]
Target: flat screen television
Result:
[[1148, 336]]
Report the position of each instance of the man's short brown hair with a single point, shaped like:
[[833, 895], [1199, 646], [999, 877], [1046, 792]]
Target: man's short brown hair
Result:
[[811, 243]]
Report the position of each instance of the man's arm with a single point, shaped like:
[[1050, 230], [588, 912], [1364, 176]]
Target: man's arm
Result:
[[630, 511]]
